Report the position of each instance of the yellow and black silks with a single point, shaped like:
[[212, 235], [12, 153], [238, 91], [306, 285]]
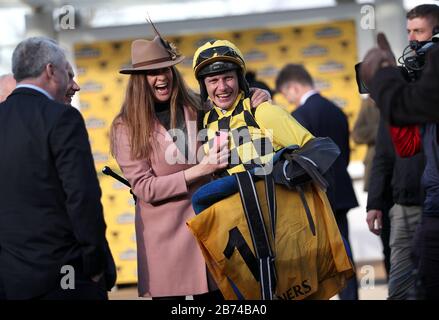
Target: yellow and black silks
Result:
[[307, 266], [310, 258], [254, 133]]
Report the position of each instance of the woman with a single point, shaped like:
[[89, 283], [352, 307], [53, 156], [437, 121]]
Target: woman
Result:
[[170, 263]]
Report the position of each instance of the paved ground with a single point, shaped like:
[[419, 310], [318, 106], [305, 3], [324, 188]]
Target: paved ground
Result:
[[371, 282], [378, 292]]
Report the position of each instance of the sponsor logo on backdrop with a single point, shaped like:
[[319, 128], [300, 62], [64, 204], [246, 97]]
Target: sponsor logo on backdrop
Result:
[[118, 185], [314, 51], [267, 37], [339, 102], [83, 105], [321, 84], [100, 157], [126, 65], [129, 254], [95, 123], [91, 86], [80, 70], [328, 32], [187, 62], [87, 52], [331, 66], [269, 71], [125, 218], [255, 55]]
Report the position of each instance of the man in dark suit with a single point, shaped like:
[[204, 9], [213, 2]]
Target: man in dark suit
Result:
[[324, 119], [52, 229]]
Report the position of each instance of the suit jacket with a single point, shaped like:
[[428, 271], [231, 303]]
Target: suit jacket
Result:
[[169, 261], [402, 103], [50, 210], [324, 119]]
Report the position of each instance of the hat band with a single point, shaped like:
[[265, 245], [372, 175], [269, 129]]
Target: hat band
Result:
[[147, 63]]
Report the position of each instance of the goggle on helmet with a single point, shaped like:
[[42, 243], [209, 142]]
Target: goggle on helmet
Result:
[[216, 57]]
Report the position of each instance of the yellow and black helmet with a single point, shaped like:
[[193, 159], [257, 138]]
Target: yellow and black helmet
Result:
[[218, 56], [217, 51]]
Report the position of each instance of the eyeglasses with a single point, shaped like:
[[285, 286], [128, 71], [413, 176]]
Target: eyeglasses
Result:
[[217, 51]]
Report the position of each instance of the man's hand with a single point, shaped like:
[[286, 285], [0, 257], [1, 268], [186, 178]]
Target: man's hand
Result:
[[377, 58], [258, 96], [375, 221]]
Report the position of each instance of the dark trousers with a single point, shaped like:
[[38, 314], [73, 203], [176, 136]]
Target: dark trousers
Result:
[[351, 290], [385, 240], [84, 289], [426, 253]]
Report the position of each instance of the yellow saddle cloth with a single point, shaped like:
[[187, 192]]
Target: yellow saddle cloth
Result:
[[307, 266]]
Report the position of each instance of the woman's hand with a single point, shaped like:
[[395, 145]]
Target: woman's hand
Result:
[[258, 96]]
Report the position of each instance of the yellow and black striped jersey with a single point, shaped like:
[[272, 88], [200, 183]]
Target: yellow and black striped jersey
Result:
[[254, 133]]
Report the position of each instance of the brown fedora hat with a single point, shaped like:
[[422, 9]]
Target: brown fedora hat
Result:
[[150, 55]]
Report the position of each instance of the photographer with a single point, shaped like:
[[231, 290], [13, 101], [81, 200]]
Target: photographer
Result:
[[401, 177], [402, 103]]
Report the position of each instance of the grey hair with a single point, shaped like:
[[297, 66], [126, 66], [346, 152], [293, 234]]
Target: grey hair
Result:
[[31, 56]]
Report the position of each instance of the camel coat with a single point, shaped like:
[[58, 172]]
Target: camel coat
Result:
[[169, 260]]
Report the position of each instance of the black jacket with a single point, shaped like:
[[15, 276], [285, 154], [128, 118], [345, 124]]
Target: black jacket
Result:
[[403, 103], [324, 119], [50, 210], [393, 179]]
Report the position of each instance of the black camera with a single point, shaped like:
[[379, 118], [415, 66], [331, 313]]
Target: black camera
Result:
[[412, 61]]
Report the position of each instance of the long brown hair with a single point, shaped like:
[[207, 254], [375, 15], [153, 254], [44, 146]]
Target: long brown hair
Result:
[[138, 116]]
